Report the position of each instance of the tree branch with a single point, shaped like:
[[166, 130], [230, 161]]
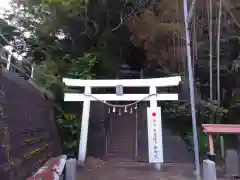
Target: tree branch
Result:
[[130, 14]]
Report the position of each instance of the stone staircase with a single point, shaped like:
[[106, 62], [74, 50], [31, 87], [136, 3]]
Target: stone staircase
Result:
[[121, 140], [121, 136]]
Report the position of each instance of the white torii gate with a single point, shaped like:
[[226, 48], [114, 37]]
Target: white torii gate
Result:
[[155, 145]]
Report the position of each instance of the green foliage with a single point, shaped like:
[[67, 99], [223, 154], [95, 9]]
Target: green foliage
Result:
[[82, 67], [69, 38], [66, 32], [211, 108], [183, 109], [202, 142], [235, 101], [46, 74], [109, 53], [69, 128], [7, 31]]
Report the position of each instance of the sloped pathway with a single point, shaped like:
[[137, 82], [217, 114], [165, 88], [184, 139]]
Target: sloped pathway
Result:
[[115, 170], [135, 171]]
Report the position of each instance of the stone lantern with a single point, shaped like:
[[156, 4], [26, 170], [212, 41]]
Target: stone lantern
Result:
[[125, 72]]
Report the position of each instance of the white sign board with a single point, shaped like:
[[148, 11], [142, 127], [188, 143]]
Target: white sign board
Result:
[[155, 146]]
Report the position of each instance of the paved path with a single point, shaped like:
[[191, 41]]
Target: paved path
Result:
[[136, 171], [115, 170]]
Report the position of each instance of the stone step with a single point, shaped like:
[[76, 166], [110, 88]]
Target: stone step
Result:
[[129, 164]]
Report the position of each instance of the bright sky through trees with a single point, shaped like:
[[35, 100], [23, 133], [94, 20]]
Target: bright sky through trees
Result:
[[4, 4]]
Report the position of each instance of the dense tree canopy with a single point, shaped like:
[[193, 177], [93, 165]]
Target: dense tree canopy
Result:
[[76, 26]]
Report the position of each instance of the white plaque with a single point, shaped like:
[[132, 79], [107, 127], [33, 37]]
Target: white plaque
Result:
[[155, 147], [119, 90]]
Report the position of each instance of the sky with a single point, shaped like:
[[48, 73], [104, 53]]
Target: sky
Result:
[[4, 4]]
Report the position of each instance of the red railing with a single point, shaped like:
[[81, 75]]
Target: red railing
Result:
[[212, 129]]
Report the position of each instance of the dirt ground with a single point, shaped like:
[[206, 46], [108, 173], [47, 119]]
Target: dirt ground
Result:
[[113, 170]]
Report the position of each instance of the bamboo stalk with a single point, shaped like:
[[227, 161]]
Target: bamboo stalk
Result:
[[218, 53], [210, 50], [218, 69]]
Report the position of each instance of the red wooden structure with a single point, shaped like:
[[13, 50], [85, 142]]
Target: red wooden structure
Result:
[[212, 129], [51, 170]]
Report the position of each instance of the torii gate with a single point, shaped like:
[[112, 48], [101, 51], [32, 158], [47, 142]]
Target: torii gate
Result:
[[155, 145]]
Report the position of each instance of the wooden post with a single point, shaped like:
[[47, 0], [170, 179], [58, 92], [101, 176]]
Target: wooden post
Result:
[[211, 144]]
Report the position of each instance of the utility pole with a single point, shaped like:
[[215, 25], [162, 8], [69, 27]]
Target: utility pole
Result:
[[187, 18]]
